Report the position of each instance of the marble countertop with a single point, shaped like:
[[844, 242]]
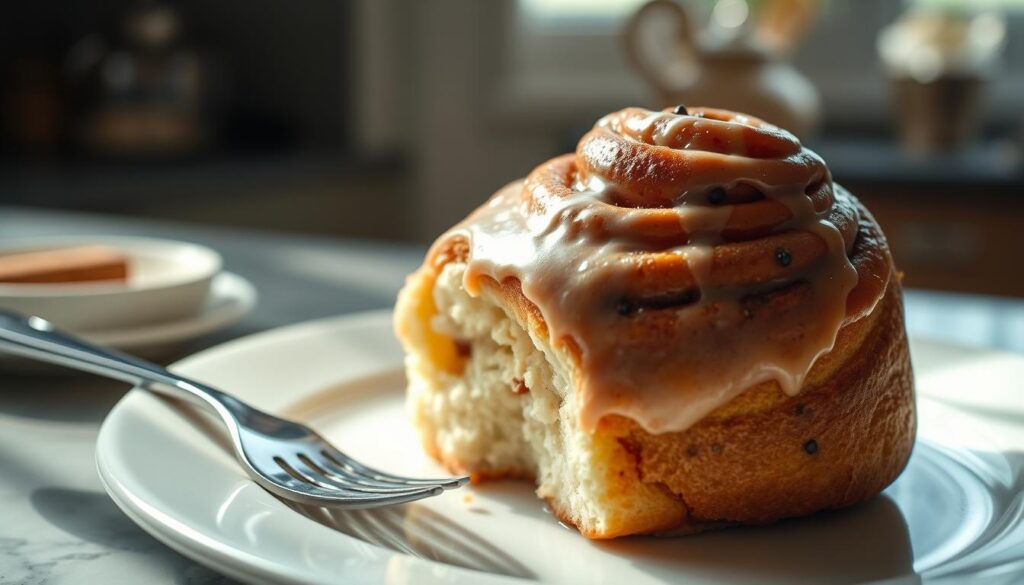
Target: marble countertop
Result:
[[56, 523]]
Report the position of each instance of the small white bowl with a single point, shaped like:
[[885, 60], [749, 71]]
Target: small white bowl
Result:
[[166, 280]]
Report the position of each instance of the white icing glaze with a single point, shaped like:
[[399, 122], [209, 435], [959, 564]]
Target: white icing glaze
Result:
[[676, 304]]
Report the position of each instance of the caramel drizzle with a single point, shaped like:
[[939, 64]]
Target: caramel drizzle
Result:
[[687, 257]]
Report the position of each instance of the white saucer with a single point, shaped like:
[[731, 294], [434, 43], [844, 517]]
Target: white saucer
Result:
[[231, 297], [954, 515], [167, 280]]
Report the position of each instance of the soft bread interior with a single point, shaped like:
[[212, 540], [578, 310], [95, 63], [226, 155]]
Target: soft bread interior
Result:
[[495, 399]]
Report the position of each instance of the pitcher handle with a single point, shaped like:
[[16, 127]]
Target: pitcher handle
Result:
[[633, 34]]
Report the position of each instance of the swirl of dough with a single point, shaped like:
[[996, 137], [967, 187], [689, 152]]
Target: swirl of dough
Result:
[[679, 259]]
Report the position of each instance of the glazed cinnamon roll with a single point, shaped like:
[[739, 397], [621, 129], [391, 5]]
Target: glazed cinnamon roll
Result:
[[684, 324]]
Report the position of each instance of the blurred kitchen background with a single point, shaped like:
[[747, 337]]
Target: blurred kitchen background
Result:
[[390, 119]]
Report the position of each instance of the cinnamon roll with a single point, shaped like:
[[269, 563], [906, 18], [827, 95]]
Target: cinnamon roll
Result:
[[684, 324]]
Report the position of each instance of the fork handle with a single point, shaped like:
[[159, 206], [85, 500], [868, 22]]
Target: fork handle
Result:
[[38, 339]]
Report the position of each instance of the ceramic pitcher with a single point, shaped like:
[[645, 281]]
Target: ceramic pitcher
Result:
[[748, 72]]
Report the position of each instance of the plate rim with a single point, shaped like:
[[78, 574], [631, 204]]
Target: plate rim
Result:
[[240, 291], [210, 553]]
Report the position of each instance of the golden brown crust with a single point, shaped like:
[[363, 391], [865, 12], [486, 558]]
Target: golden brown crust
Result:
[[767, 456]]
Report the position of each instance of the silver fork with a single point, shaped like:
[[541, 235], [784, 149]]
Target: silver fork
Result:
[[286, 458]]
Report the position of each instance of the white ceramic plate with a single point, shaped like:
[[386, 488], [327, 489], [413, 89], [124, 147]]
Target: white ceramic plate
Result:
[[956, 513], [167, 280], [231, 297]]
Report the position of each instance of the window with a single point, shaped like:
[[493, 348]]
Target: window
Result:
[[575, 13]]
